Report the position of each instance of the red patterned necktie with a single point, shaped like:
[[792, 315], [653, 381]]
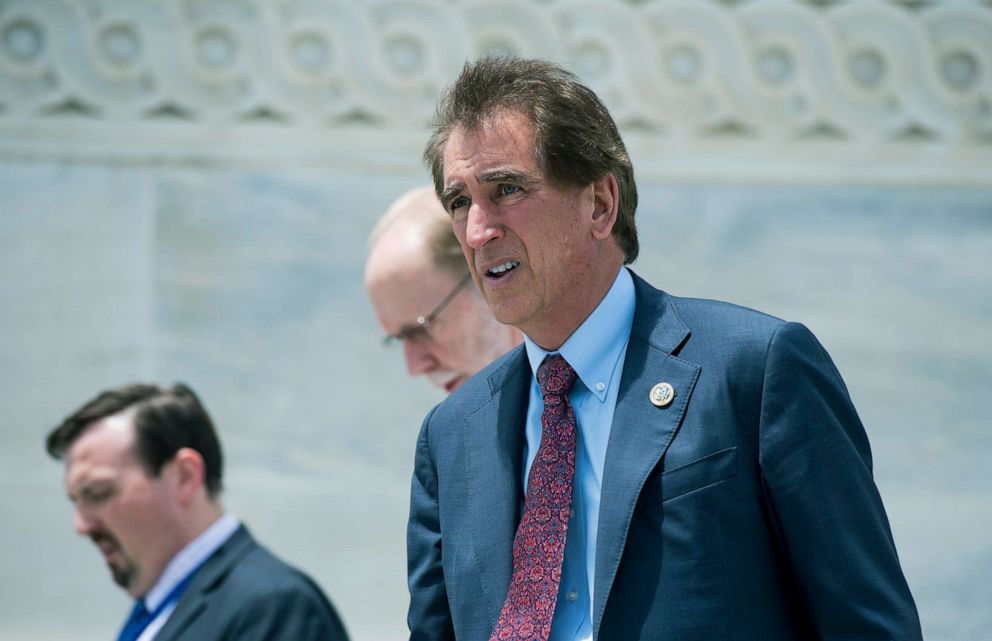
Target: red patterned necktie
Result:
[[539, 545]]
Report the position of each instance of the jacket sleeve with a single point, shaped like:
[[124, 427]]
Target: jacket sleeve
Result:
[[817, 473], [429, 616]]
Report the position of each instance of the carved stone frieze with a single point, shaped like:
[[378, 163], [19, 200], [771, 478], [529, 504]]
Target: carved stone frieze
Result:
[[772, 72]]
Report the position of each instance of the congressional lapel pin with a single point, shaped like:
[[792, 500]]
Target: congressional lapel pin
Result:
[[661, 394]]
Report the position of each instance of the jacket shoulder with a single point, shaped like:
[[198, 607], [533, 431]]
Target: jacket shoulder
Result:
[[669, 322], [261, 574], [720, 316], [480, 388], [247, 591]]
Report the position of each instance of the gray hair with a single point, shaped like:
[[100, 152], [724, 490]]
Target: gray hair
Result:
[[576, 141]]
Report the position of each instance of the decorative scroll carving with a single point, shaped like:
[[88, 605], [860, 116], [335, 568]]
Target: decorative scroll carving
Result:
[[767, 70]]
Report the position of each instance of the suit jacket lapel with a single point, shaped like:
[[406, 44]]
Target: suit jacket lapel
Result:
[[641, 432], [196, 598], [495, 475]]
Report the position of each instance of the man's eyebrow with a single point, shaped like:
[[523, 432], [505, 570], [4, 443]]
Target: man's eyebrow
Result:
[[85, 488], [491, 176], [505, 175], [449, 193]]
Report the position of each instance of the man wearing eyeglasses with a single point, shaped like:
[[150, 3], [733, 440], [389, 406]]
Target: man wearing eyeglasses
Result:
[[422, 293]]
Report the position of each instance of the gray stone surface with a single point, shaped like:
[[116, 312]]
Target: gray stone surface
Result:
[[247, 285]]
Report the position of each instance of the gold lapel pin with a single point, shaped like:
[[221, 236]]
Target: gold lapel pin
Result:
[[661, 394]]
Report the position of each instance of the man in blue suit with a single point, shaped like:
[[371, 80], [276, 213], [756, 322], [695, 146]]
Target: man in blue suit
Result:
[[644, 466], [143, 469]]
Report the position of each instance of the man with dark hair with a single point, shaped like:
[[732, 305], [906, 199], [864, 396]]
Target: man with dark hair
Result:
[[423, 296], [143, 469], [646, 466]]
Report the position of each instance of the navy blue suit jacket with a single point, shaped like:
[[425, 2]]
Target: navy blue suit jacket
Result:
[[745, 509], [244, 593]]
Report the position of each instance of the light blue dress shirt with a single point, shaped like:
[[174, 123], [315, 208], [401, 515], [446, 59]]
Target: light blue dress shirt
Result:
[[596, 352], [188, 560]]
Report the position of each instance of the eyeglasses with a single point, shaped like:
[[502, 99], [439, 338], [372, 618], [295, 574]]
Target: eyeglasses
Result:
[[416, 332]]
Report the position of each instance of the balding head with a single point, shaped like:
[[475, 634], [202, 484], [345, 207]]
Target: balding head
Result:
[[417, 223], [414, 263]]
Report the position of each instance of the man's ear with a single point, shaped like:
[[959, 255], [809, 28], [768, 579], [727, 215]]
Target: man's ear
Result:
[[190, 473], [606, 203]]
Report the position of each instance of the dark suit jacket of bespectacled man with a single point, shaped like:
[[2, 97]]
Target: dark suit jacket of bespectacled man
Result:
[[143, 470], [723, 482]]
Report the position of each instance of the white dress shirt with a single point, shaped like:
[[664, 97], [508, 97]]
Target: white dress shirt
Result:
[[187, 561]]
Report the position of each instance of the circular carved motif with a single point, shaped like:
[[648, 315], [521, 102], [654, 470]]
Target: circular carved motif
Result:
[[405, 53], [120, 44], [216, 47], [775, 65], [772, 68], [867, 68], [684, 64], [311, 52], [23, 40], [960, 69], [592, 60]]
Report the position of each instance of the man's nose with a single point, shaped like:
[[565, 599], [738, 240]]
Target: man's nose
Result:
[[84, 522], [419, 358], [482, 225]]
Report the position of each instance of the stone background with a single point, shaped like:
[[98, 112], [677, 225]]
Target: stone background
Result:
[[229, 256], [247, 285]]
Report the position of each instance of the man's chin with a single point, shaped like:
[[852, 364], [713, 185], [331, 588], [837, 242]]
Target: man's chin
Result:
[[122, 572], [448, 381]]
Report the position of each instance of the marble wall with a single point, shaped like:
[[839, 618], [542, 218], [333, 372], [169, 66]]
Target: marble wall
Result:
[[154, 227], [247, 285]]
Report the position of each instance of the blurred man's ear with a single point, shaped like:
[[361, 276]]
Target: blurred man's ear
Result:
[[189, 473]]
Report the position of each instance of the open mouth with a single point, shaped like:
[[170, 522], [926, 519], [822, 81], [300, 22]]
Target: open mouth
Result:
[[108, 549], [501, 270], [106, 543]]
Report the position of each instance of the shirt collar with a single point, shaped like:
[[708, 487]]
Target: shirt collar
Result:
[[190, 558], [593, 349]]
